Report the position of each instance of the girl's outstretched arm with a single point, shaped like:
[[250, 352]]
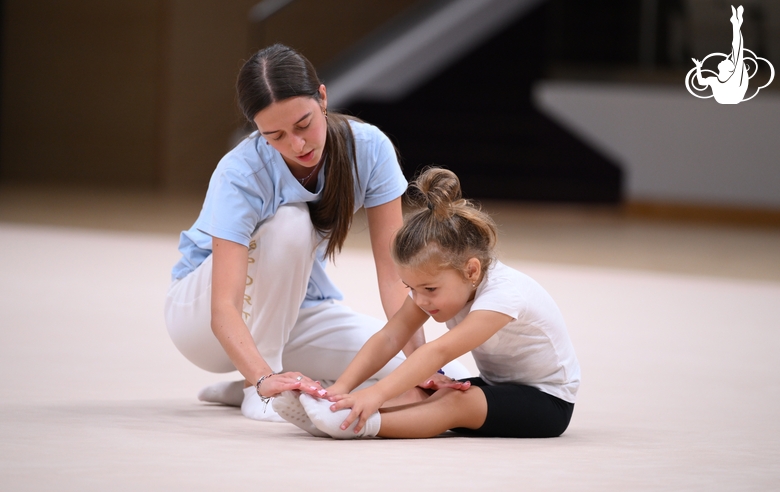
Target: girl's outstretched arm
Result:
[[475, 330], [381, 347]]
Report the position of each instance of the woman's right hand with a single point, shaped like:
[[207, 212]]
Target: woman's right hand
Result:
[[287, 381]]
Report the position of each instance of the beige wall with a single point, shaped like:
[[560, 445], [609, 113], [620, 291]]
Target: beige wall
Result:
[[128, 92], [205, 46]]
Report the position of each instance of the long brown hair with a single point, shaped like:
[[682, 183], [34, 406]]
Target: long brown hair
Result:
[[446, 230], [277, 73]]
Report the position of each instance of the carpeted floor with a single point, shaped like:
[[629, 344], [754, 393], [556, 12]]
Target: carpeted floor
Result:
[[681, 384]]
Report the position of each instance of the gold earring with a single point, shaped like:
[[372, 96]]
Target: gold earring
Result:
[[325, 113]]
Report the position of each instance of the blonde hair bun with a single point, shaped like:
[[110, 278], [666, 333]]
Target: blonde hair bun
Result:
[[445, 228], [437, 190]]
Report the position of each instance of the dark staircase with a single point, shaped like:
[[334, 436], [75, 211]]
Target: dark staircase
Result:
[[477, 119]]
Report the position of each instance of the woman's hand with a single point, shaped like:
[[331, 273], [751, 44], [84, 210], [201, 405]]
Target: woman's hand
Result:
[[440, 381], [273, 385], [364, 403]]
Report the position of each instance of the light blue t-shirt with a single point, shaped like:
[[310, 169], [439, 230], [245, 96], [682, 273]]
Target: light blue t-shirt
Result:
[[252, 181]]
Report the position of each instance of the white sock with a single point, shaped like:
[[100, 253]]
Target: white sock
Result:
[[330, 422], [290, 409], [225, 392], [253, 407]]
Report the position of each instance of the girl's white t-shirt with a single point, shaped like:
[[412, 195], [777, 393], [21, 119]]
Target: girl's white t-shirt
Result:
[[534, 349]]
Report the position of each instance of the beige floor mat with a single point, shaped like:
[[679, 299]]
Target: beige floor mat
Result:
[[681, 386]]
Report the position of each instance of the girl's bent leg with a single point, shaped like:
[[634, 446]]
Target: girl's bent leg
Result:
[[446, 409], [520, 411], [514, 411]]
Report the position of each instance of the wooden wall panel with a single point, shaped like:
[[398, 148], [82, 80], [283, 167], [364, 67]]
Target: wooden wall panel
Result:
[[79, 90], [124, 92]]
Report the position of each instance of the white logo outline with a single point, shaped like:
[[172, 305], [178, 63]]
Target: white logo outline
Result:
[[735, 68]]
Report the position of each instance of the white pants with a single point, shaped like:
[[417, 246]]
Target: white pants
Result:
[[319, 341]]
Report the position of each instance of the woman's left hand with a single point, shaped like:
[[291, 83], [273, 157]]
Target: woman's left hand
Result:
[[286, 381], [364, 403], [440, 381]]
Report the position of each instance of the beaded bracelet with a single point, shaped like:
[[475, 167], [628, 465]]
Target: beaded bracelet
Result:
[[264, 399]]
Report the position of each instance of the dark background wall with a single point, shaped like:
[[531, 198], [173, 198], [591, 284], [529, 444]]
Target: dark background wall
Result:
[[128, 93], [477, 118]]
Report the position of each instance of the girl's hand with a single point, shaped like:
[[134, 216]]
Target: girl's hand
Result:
[[363, 404], [286, 381], [697, 62], [335, 390], [440, 381]]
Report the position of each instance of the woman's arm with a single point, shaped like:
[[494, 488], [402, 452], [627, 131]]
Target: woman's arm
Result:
[[228, 282], [383, 222]]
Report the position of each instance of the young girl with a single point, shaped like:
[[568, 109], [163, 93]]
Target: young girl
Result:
[[250, 291], [529, 374]]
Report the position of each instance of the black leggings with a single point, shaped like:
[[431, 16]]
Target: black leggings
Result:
[[520, 411]]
